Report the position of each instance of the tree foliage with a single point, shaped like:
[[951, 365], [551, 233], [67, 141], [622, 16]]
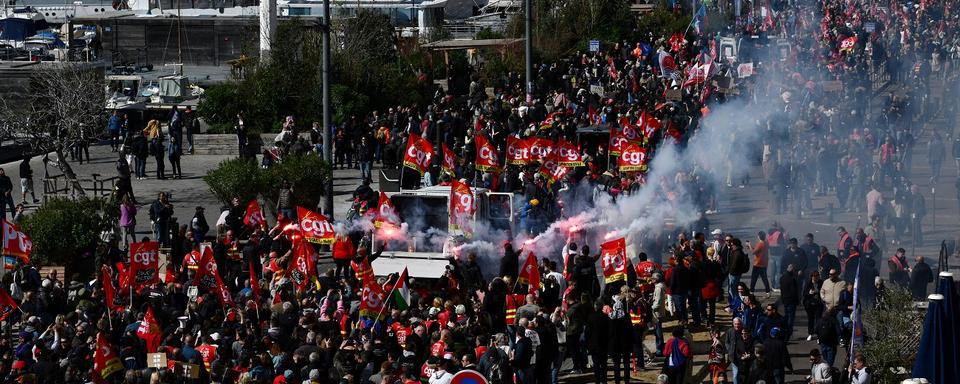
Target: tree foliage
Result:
[[63, 105], [244, 179], [560, 27], [893, 330], [368, 73], [66, 232]]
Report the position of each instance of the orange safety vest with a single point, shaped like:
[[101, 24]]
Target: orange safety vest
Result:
[[511, 310], [635, 318], [361, 269], [843, 240], [233, 253]]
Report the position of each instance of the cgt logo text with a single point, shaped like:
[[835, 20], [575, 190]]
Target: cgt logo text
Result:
[[634, 158], [319, 227], [145, 258], [487, 153]]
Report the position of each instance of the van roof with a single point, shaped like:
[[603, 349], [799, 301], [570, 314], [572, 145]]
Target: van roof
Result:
[[436, 190]]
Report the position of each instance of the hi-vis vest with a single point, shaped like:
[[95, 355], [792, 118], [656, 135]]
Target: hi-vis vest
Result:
[[635, 317], [362, 269], [511, 309]]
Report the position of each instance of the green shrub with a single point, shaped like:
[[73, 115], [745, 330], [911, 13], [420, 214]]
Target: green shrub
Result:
[[235, 178], [66, 232], [244, 179]]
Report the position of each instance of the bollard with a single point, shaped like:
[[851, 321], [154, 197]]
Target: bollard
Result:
[[830, 212]]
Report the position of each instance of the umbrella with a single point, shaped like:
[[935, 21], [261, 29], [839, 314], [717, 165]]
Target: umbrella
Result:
[[931, 364], [951, 332]]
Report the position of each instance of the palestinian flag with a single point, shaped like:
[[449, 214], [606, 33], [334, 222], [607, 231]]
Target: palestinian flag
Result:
[[401, 291]]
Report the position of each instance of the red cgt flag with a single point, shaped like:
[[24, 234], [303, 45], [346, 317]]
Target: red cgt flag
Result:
[[633, 158], [106, 361], [613, 260], [551, 169], [15, 242], [301, 268], [149, 331], [386, 213], [114, 301], [530, 274], [418, 154], [372, 298], [144, 265], [540, 148], [7, 304], [617, 141], [462, 206], [518, 151], [207, 275], [254, 284], [314, 227], [254, 216], [487, 159], [568, 154], [449, 165]]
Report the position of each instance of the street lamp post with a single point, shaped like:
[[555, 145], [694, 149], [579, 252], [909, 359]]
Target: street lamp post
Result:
[[528, 44], [327, 147]]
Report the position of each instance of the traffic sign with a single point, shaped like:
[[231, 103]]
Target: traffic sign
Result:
[[468, 377], [594, 45]]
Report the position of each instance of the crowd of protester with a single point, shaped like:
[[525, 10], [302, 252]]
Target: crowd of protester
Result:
[[823, 139]]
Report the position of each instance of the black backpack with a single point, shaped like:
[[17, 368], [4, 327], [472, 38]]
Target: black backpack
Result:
[[497, 372]]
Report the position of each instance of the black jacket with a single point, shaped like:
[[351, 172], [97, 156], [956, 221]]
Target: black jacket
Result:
[[509, 264], [598, 333], [789, 289], [522, 353], [738, 262]]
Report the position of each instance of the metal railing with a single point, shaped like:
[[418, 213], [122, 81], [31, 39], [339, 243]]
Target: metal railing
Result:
[[61, 186]]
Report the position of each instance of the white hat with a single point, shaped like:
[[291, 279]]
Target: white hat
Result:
[[716, 232]]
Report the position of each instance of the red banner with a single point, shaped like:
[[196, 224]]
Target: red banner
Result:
[[302, 266], [462, 207], [617, 141], [144, 265], [540, 148], [487, 159], [518, 151], [613, 260], [254, 216], [449, 164], [315, 227], [372, 298], [7, 304], [551, 169], [254, 284], [114, 301], [530, 274], [633, 158], [15, 242], [106, 361], [648, 124], [568, 154], [418, 154], [149, 331], [386, 213], [207, 275]]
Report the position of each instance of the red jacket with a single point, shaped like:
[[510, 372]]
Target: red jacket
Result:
[[343, 249]]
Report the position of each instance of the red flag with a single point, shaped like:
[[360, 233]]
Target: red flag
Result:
[[418, 154], [848, 44], [613, 260], [224, 293], [7, 304], [254, 216], [568, 154], [16, 242], [487, 159], [550, 120], [386, 213], [462, 207], [518, 151], [301, 268], [551, 169], [149, 331], [676, 42], [254, 284], [314, 227], [592, 115], [540, 148], [372, 298], [207, 275], [106, 361], [530, 274], [449, 164], [633, 158], [114, 302], [617, 141], [144, 265]]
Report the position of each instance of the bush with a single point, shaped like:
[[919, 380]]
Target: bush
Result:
[[66, 232], [235, 178], [893, 331], [244, 179]]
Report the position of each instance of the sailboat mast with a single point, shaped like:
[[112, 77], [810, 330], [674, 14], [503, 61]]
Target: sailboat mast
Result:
[[179, 41]]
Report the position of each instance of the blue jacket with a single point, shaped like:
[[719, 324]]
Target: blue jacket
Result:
[[115, 124]]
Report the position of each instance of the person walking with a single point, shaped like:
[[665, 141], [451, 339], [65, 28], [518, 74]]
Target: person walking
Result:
[[598, 334], [920, 276], [677, 354], [738, 264], [790, 288], [199, 226], [828, 335], [160, 213], [128, 221], [6, 195], [760, 261], [812, 302], [175, 151], [191, 125], [775, 240], [26, 181], [831, 289], [820, 372], [899, 268], [114, 125], [141, 151], [241, 130]]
